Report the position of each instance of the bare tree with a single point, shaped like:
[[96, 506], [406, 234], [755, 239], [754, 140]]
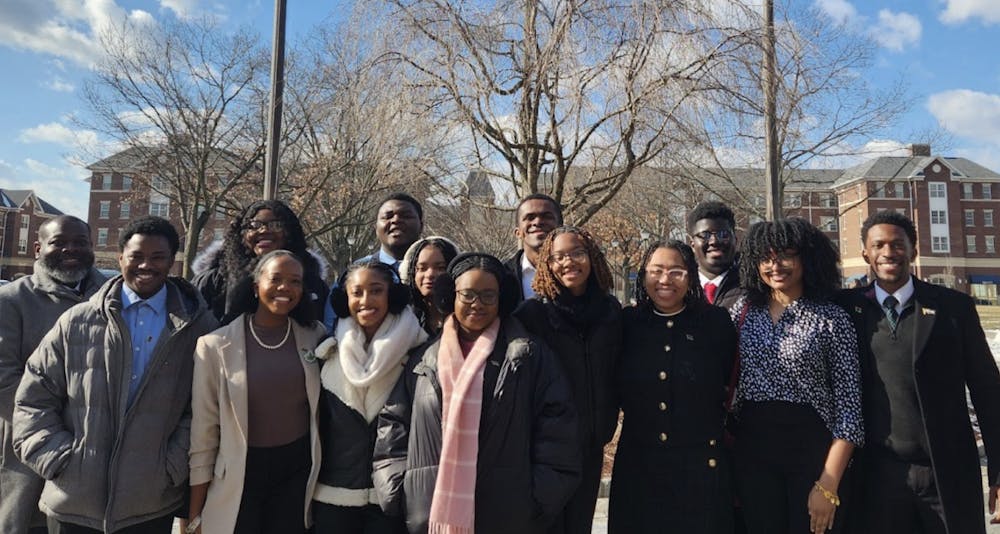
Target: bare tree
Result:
[[542, 87], [177, 99], [826, 108]]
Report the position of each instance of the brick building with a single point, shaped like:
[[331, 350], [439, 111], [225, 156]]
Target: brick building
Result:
[[21, 213]]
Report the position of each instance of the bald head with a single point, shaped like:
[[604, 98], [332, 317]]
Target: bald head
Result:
[[64, 249]]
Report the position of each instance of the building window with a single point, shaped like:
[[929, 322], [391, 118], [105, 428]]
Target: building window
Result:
[[940, 244], [987, 191], [159, 208], [106, 182], [126, 210], [936, 190], [102, 237], [970, 217], [105, 209], [220, 213], [793, 200], [25, 222], [988, 218], [827, 200], [990, 245], [828, 223], [901, 211], [158, 184], [890, 190], [970, 243], [217, 234], [939, 217], [22, 245], [126, 183], [967, 191]]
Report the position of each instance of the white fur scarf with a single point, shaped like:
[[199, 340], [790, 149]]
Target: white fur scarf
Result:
[[363, 377]]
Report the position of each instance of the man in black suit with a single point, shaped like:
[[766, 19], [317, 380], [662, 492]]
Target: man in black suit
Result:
[[712, 229], [537, 215], [920, 345]]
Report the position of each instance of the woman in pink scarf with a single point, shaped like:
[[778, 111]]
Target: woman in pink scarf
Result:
[[479, 435]]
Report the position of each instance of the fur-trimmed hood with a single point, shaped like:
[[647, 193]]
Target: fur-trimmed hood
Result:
[[210, 257]]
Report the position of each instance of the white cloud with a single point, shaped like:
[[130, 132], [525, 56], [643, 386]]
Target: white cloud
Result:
[[896, 31], [62, 186], [60, 134], [840, 11], [7, 171], [958, 11], [60, 85], [974, 117]]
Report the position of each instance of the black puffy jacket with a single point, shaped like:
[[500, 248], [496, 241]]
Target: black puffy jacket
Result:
[[588, 353], [529, 461]]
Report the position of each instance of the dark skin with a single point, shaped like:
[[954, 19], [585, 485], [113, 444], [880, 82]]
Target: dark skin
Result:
[[888, 252], [397, 226], [535, 219], [715, 256], [64, 243], [145, 262]]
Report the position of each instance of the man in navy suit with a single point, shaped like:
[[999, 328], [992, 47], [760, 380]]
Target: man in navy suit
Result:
[[920, 345]]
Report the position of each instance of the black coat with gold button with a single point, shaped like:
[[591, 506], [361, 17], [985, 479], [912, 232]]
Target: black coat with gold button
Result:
[[671, 473]]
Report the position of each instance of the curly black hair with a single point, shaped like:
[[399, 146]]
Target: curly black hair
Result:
[[694, 297], [819, 257], [151, 225], [300, 311], [541, 196], [237, 261], [892, 217], [403, 197], [444, 285], [710, 209]]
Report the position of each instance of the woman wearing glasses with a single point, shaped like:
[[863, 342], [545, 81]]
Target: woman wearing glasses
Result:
[[799, 395], [479, 434], [573, 312], [671, 474], [224, 272]]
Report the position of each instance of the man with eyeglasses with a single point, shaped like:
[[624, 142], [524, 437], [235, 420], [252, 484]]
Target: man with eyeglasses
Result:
[[712, 228]]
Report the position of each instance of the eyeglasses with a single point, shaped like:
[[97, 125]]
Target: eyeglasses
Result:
[[271, 226], [721, 235], [469, 296], [673, 275], [782, 257], [578, 255]]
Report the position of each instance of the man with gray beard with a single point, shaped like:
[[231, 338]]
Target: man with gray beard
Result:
[[29, 307]]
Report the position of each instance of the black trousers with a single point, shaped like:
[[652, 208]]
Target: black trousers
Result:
[[578, 515], [160, 525], [369, 519], [274, 489], [900, 497], [780, 451]]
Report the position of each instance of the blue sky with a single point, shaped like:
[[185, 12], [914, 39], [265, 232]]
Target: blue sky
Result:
[[945, 49]]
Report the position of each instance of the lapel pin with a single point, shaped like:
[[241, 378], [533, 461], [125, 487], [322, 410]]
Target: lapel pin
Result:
[[857, 309], [927, 311], [690, 337]]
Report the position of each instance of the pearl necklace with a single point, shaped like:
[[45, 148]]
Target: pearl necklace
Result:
[[288, 331], [661, 314]]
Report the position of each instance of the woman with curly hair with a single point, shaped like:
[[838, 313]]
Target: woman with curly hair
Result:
[[671, 474], [799, 396], [575, 316], [261, 227], [479, 434], [423, 262]]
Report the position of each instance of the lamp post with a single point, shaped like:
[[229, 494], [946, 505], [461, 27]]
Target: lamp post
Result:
[[351, 240]]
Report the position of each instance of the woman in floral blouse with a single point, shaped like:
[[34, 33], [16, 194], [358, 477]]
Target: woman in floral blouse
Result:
[[799, 394]]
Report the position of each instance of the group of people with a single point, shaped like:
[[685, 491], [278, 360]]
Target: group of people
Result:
[[432, 390]]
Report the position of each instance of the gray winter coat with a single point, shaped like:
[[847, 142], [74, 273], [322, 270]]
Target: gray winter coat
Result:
[[108, 465], [28, 309]]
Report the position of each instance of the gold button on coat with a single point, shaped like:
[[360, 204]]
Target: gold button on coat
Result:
[[711, 443], [666, 348], [663, 406], [663, 375], [670, 324], [712, 462], [663, 436]]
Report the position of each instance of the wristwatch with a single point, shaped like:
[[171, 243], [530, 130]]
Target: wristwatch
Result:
[[193, 525]]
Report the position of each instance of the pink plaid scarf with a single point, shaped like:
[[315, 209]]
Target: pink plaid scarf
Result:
[[454, 503]]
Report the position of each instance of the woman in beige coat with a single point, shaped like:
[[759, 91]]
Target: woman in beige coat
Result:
[[254, 444]]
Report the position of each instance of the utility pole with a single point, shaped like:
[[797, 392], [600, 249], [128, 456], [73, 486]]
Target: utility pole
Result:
[[274, 110], [772, 167]]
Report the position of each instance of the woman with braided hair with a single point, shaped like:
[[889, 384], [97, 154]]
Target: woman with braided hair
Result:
[[573, 312], [479, 434]]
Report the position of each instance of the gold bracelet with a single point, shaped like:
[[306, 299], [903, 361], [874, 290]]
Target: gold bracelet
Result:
[[829, 495]]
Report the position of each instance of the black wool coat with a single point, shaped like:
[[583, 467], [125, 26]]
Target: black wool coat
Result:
[[950, 353], [589, 358], [529, 460]]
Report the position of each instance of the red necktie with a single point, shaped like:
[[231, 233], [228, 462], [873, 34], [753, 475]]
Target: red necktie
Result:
[[710, 289]]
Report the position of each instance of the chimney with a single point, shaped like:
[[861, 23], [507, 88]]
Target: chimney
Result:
[[920, 149]]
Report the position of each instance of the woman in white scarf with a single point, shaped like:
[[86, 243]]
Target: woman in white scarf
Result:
[[376, 330]]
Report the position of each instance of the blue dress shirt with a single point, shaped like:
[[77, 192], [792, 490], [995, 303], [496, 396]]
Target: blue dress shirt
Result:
[[145, 320]]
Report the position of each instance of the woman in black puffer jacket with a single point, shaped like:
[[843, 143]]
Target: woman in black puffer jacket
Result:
[[521, 441], [573, 312]]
